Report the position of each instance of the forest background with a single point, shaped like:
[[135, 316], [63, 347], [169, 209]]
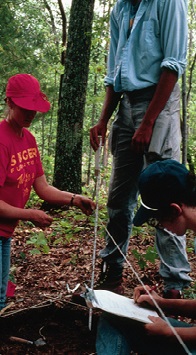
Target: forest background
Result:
[[66, 49]]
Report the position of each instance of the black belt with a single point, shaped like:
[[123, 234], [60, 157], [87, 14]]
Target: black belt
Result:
[[141, 94]]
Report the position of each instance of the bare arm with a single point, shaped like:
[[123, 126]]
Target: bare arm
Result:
[[110, 103], [55, 196], [38, 217], [183, 307], [50, 194], [159, 327]]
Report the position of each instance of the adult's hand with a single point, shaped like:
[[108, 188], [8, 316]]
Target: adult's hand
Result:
[[98, 130], [110, 103], [141, 138]]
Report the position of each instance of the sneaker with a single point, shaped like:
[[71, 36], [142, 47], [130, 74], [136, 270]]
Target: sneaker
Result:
[[110, 278]]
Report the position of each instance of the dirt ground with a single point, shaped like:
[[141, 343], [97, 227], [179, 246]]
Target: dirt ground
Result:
[[41, 307]]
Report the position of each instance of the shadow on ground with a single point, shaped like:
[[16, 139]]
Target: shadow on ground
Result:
[[65, 331]]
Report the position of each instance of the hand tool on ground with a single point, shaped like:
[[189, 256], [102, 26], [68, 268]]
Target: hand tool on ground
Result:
[[38, 342]]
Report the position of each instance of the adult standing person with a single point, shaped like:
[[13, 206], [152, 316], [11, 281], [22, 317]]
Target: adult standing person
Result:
[[147, 56], [21, 169]]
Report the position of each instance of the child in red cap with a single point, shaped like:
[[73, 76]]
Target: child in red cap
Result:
[[21, 169]]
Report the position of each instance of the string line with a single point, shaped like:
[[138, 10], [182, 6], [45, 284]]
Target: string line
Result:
[[97, 219], [147, 291]]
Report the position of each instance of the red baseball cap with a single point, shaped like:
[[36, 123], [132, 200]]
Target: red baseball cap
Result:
[[24, 90]]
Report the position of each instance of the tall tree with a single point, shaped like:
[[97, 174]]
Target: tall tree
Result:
[[68, 158], [190, 93]]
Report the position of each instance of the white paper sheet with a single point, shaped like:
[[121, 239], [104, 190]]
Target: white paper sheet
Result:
[[120, 306]]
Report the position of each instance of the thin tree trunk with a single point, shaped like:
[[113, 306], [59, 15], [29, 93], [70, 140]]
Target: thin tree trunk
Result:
[[184, 120]]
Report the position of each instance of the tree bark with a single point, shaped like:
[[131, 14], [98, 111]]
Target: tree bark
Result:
[[68, 158]]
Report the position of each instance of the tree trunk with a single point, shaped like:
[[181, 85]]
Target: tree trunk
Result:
[[184, 120], [68, 158]]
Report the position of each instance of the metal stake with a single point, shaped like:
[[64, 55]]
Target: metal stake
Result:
[[98, 180]]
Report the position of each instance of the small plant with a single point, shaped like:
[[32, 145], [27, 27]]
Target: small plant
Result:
[[40, 243], [190, 292], [150, 255], [12, 273]]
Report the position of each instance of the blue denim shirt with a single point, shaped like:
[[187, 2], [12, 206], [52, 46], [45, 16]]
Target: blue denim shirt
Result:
[[158, 39]]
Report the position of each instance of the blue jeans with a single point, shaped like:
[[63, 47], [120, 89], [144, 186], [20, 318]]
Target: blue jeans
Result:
[[5, 250], [118, 336], [123, 189]]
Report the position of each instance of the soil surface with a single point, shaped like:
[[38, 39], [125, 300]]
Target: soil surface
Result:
[[41, 307]]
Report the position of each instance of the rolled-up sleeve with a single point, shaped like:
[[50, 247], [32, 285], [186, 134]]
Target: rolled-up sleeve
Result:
[[174, 34]]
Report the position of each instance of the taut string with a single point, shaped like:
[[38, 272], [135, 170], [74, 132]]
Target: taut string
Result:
[[97, 174], [149, 294]]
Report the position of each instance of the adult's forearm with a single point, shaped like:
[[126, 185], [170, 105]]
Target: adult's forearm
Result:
[[163, 91], [110, 103]]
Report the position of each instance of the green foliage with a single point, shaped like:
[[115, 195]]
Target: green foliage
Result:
[[33, 201], [12, 273], [48, 163], [39, 242], [191, 88], [150, 255], [97, 71], [22, 255], [63, 230], [190, 292], [30, 41]]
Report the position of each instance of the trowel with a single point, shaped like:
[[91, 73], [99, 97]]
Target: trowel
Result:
[[38, 342]]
